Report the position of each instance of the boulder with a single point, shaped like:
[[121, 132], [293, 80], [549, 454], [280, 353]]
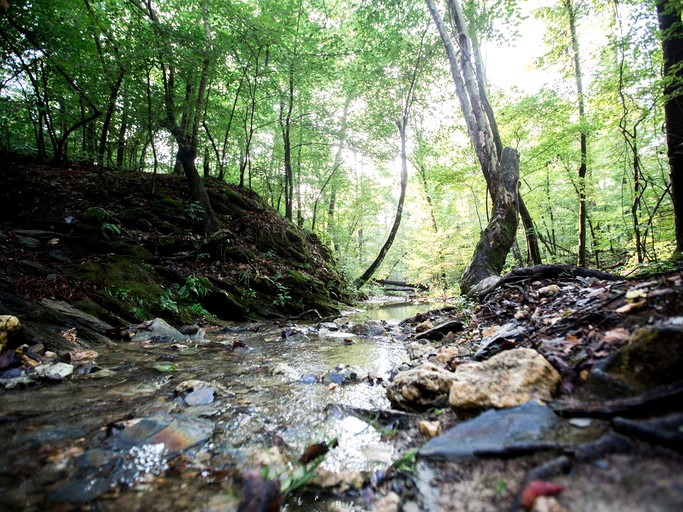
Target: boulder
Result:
[[420, 388], [652, 357], [525, 428], [508, 379], [369, 328]]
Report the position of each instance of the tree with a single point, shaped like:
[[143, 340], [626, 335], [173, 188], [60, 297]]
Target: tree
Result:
[[583, 140], [500, 170], [402, 126], [669, 17], [186, 130]]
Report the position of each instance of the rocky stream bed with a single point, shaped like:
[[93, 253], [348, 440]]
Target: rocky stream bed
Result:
[[550, 395]]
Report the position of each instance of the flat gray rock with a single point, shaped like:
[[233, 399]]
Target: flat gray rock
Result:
[[495, 431]]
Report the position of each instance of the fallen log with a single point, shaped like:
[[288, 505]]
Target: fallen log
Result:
[[402, 284]]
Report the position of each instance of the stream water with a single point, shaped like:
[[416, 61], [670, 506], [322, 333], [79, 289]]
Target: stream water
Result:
[[68, 445]]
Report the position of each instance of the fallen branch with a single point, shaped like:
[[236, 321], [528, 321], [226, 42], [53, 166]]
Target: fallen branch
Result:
[[662, 398]]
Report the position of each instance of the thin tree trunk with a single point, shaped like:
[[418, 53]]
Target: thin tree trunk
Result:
[[285, 126], [583, 165], [365, 277], [402, 126], [530, 233]]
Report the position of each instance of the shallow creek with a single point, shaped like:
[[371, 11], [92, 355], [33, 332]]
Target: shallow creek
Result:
[[57, 446]]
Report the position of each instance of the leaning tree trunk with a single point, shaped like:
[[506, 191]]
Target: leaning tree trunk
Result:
[[672, 48], [399, 211], [500, 168], [495, 242]]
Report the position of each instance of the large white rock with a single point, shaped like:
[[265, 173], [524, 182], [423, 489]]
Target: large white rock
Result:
[[420, 388], [508, 379]]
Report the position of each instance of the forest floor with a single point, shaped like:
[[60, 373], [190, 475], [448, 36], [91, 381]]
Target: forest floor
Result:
[[618, 346], [124, 247]]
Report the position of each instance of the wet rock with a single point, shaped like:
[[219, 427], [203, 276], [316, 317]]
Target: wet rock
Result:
[[159, 331], [507, 379], [330, 326], [495, 432], [369, 328], [309, 378], [176, 432], [9, 324], [652, 357], [344, 374], [438, 332], [29, 242], [188, 330], [258, 494], [81, 317], [81, 491], [201, 396], [420, 388], [418, 351], [282, 369]]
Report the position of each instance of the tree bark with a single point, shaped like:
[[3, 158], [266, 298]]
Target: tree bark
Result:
[[669, 17], [529, 232], [496, 240]]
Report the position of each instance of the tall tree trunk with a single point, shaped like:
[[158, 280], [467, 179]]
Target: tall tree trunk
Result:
[[123, 129], [187, 141], [583, 165], [669, 17], [500, 168], [529, 233], [285, 126]]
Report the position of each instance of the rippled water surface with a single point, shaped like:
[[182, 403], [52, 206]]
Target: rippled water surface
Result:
[[56, 439]]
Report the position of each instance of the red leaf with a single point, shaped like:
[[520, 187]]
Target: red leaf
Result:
[[537, 488]]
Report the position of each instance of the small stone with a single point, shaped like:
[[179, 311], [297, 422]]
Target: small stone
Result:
[[418, 350], [388, 503], [53, 371], [429, 429], [438, 332], [200, 396], [580, 422], [424, 326], [547, 504], [420, 388], [9, 324], [548, 291]]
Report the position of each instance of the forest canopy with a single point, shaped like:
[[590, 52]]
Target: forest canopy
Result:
[[334, 112]]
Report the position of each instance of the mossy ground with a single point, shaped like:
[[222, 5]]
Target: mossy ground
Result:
[[128, 243]]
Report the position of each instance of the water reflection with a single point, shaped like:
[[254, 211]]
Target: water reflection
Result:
[[256, 407]]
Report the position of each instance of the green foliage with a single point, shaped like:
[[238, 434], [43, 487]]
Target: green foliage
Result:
[[345, 67]]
